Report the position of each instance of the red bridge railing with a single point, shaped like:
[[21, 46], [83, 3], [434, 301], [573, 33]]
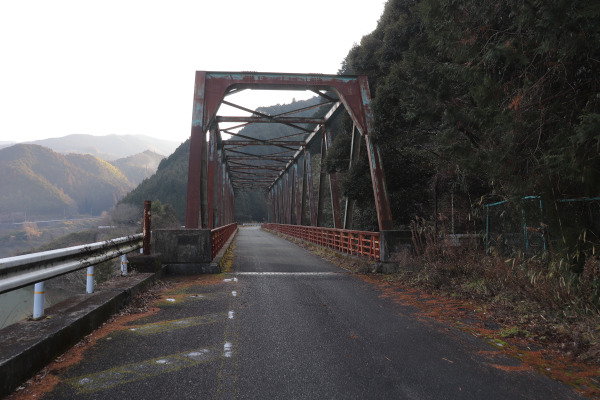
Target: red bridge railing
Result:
[[350, 242], [219, 236]]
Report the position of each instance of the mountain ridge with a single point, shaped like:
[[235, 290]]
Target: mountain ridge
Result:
[[107, 147]]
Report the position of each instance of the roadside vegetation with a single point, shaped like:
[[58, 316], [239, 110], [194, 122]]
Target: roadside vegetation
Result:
[[490, 103]]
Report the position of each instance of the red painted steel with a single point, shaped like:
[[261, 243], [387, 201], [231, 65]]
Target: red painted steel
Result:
[[194, 186], [212, 150], [297, 201], [218, 237], [361, 243], [209, 92], [311, 191], [333, 184]]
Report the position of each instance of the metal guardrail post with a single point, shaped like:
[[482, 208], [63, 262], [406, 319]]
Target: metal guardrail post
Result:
[[124, 265], [89, 287], [38, 300]]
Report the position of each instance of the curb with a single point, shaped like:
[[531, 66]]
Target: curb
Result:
[[28, 346], [216, 263]]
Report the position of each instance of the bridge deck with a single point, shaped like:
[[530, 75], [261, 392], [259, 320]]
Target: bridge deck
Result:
[[284, 323]]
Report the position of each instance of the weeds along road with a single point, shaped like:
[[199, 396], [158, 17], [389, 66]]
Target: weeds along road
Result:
[[285, 324]]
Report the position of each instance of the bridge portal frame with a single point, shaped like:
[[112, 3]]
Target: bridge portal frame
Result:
[[210, 90]]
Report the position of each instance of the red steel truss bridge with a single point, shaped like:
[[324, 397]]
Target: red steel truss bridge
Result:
[[219, 167]]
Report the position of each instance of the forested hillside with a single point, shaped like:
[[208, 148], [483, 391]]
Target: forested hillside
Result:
[[139, 166], [484, 101], [37, 181], [169, 184]]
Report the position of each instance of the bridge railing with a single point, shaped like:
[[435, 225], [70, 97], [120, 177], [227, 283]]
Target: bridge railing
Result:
[[20, 271], [218, 237], [361, 243]]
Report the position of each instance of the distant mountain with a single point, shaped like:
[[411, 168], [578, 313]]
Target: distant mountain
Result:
[[40, 182], [4, 144], [139, 166], [110, 147]]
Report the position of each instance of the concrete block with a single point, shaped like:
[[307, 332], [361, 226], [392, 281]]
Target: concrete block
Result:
[[142, 263], [394, 242], [183, 246]]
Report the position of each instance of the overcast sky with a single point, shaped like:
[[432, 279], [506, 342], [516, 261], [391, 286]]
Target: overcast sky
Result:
[[127, 67]]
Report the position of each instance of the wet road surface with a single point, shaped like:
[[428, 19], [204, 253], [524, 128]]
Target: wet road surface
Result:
[[285, 324]]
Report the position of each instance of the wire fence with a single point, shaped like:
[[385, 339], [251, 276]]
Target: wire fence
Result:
[[533, 226]]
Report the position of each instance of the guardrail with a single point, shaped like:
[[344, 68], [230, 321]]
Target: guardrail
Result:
[[219, 236], [20, 271], [346, 241]]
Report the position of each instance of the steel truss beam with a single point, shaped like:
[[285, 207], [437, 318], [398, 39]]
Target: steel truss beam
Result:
[[216, 160]]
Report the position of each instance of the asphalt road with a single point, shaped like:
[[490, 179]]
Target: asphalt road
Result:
[[285, 324]]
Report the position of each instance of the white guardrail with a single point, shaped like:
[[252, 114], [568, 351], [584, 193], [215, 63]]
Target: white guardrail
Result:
[[20, 271]]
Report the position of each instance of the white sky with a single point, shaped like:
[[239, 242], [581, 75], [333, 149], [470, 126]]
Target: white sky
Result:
[[127, 67]]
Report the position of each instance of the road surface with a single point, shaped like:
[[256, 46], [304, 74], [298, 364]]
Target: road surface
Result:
[[285, 324]]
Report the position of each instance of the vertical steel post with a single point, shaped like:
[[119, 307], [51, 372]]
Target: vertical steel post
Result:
[[354, 157], [212, 149], [303, 195], [227, 218], [147, 227], [297, 193], [218, 188], [333, 184], [322, 174], [38, 300], [275, 200], [225, 194], [124, 265], [204, 197], [194, 187], [290, 195], [269, 205], [311, 190], [89, 284], [280, 199], [382, 202], [285, 197], [222, 190], [231, 202]]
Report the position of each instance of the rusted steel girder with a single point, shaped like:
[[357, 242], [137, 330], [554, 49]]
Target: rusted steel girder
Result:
[[321, 193], [212, 159], [354, 157], [311, 192], [210, 90], [297, 200], [303, 190], [273, 120], [333, 184]]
